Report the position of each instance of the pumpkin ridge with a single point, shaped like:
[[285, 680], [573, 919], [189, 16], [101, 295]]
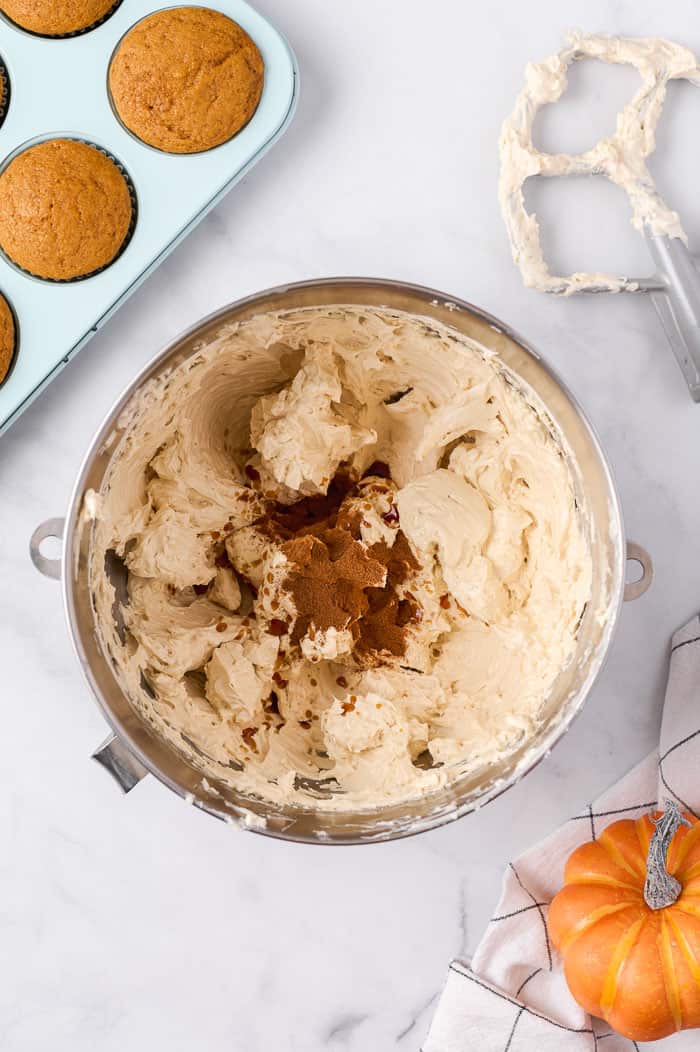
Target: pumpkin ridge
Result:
[[686, 949], [678, 855], [686, 876], [588, 921], [684, 906], [668, 972], [691, 892], [602, 880], [688, 888], [616, 966], [616, 856]]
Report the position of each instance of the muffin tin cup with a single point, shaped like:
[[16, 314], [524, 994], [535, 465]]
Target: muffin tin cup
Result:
[[15, 349], [60, 83], [132, 195], [63, 36], [5, 91]]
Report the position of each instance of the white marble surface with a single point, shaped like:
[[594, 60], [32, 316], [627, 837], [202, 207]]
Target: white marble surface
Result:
[[137, 923]]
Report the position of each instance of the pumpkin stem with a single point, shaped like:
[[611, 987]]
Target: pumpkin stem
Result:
[[660, 888]]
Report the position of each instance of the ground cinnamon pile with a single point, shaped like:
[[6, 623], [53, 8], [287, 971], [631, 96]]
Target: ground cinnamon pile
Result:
[[384, 624], [330, 576], [338, 582]]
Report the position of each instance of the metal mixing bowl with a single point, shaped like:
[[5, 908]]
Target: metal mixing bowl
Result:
[[133, 750]]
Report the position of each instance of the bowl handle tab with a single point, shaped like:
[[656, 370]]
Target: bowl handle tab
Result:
[[116, 758], [637, 554], [49, 567]]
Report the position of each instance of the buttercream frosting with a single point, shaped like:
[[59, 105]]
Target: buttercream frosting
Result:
[[355, 557]]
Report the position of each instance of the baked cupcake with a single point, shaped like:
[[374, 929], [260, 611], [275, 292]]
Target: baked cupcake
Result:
[[8, 338], [186, 79], [56, 18], [65, 210]]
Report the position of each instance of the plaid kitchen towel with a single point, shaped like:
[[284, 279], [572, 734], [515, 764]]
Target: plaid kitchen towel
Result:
[[512, 996]]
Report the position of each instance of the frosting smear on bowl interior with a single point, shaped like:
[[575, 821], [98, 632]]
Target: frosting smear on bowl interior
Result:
[[350, 560]]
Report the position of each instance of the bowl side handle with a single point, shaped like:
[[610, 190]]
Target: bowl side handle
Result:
[[116, 758], [48, 567], [637, 554]]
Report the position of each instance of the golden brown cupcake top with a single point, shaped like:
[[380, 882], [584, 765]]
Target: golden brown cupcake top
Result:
[[7, 338], [186, 79], [54, 18], [65, 209]]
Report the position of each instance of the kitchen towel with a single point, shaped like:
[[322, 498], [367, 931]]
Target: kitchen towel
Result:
[[512, 996]]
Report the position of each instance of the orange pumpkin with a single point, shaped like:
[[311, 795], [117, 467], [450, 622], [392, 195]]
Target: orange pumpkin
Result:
[[631, 957]]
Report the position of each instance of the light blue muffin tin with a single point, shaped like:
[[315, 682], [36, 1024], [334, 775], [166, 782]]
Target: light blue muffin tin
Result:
[[58, 88]]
